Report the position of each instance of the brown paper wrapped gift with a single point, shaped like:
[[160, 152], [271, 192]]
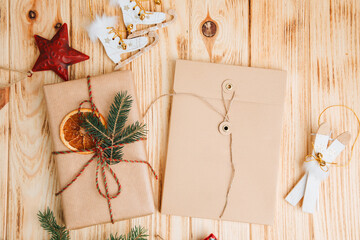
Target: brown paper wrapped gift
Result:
[[198, 167], [81, 203]]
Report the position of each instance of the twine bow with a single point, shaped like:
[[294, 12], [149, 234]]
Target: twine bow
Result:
[[319, 158], [101, 162]]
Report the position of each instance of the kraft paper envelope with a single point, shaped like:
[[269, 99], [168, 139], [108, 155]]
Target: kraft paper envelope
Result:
[[198, 168], [82, 205]]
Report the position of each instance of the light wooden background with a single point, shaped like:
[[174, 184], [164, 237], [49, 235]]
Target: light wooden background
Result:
[[317, 42]]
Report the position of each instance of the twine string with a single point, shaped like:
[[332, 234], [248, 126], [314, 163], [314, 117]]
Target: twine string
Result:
[[15, 70], [203, 99], [27, 73], [357, 136], [318, 158], [227, 108], [225, 116], [102, 162]]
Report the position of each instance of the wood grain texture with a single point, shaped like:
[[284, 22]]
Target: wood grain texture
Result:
[[279, 39], [316, 42], [4, 116], [30, 161], [335, 76]]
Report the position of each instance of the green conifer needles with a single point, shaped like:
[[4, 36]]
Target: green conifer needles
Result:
[[57, 232], [48, 222], [136, 233], [116, 132]]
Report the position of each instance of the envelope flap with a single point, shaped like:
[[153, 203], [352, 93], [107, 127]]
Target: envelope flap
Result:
[[256, 85]]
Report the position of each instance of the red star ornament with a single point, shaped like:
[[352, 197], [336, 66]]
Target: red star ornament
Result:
[[211, 237], [56, 54]]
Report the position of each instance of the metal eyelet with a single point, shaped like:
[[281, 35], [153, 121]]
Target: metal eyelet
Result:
[[225, 128], [228, 86]]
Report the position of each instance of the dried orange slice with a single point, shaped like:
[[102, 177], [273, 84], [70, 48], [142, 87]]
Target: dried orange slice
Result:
[[73, 135]]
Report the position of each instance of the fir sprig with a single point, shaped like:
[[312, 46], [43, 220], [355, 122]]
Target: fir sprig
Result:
[[48, 222], [57, 232], [119, 113], [116, 132], [94, 127], [136, 233], [131, 133]]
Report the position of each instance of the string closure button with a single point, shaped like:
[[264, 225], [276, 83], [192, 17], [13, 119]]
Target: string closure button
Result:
[[228, 86], [225, 128]]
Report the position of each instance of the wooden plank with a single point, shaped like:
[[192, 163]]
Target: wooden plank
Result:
[[229, 45], [4, 116], [334, 59], [31, 169], [174, 44], [279, 39]]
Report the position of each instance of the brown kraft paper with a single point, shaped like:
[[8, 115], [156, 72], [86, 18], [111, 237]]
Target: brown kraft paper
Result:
[[198, 167], [82, 205]]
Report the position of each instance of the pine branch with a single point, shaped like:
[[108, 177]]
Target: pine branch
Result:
[[94, 127], [48, 223], [116, 132], [117, 118], [131, 133], [57, 232], [119, 112], [117, 153], [136, 233]]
